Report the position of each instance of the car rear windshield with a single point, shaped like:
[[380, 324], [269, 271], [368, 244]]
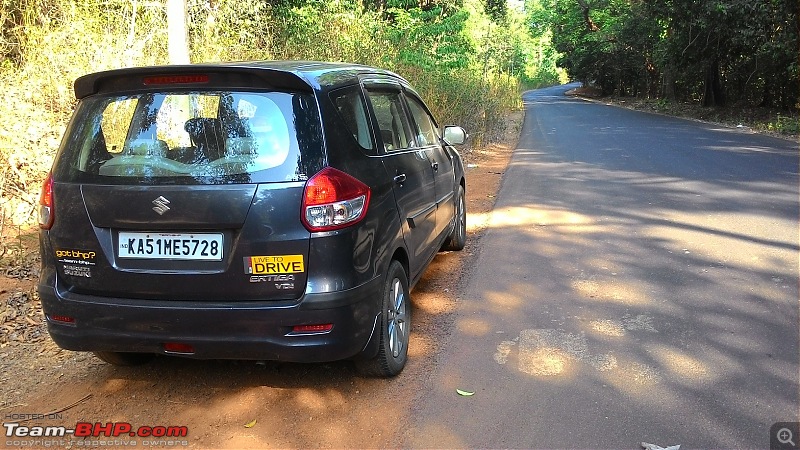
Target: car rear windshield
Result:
[[213, 137]]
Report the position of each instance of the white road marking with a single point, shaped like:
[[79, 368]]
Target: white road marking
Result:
[[548, 352], [503, 350]]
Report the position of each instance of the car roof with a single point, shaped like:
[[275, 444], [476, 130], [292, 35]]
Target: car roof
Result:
[[303, 75]]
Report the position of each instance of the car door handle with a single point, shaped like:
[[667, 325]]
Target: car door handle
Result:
[[400, 178], [435, 166]]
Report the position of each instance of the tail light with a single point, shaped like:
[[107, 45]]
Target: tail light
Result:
[[63, 319], [312, 329], [333, 200], [177, 347], [46, 204]]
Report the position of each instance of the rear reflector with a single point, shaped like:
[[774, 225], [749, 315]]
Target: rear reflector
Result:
[[319, 328], [175, 79], [62, 319], [332, 200], [175, 347], [46, 204]]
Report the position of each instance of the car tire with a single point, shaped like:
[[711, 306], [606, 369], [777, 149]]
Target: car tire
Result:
[[395, 327], [458, 237], [124, 358]]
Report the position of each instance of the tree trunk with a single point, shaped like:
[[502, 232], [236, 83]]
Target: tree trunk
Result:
[[713, 94], [766, 99], [178, 34], [591, 26], [668, 90]]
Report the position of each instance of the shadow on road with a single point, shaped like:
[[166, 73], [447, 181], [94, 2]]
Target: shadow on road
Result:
[[644, 273]]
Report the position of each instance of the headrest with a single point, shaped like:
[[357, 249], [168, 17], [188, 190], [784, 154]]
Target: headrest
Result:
[[146, 147], [241, 146], [199, 125]]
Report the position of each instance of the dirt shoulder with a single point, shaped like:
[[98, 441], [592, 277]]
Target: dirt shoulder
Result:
[[239, 404], [745, 119]]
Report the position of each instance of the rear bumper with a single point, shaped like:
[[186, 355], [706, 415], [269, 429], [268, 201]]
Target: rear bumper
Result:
[[223, 330]]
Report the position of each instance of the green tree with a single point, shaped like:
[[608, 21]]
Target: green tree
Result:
[[711, 51], [497, 10]]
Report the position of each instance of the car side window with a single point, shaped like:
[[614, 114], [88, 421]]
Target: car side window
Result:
[[425, 130], [392, 119], [350, 106]]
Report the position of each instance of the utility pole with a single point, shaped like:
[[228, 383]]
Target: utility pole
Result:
[[177, 31]]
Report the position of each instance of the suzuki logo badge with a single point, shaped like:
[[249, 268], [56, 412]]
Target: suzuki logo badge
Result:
[[161, 205]]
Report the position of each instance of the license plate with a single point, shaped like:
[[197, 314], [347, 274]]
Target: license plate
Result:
[[185, 246]]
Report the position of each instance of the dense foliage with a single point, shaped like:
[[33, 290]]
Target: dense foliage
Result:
[[717, 52], [468, 57]]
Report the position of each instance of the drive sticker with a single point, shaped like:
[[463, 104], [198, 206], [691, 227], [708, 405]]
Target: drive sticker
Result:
[[78, 257], [268, 265]]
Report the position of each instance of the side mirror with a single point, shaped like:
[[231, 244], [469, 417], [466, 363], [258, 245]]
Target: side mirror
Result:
[[455, 135]]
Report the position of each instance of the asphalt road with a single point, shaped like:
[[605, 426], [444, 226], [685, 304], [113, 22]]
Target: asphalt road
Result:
[[638, 283]]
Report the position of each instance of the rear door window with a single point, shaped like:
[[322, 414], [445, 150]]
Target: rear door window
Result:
[[392, 120], [350, 106], [193, 138]]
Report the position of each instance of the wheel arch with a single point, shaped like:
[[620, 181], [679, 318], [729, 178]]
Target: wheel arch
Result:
[[400, 255]]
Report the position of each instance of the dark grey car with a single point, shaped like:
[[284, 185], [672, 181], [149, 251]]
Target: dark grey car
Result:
[[259, 210]]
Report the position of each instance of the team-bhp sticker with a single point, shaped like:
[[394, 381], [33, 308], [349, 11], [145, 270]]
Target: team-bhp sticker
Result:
[[76, 263], [82, 257], [273, 265]]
